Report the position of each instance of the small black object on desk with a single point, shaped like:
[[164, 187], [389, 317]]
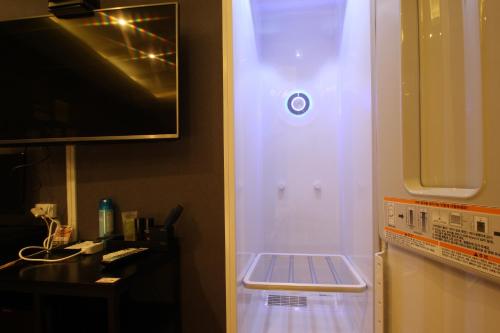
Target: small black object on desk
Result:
[[67, 296], [164, 234], [145, 230]]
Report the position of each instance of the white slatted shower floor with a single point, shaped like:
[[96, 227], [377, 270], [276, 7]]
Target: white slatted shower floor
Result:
[[303, 272]]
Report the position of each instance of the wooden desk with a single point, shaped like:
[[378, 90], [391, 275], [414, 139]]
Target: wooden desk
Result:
[[77, 277]]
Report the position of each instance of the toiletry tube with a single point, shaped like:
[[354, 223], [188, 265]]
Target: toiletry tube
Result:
[[150, 222], [140, 226], [128, 224]]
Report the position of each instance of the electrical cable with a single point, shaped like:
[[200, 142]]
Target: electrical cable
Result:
[[52, 226], [13, 262], [25, 165]]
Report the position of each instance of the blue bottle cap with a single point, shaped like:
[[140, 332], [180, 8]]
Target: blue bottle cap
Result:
[[106, 204]]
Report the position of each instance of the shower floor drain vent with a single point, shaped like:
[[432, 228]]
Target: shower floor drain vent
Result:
[[288, 301]]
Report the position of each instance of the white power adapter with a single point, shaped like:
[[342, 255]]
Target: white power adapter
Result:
[[87, 247]]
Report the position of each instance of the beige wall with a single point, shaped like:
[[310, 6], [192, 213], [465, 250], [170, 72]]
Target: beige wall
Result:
[[153, 177]]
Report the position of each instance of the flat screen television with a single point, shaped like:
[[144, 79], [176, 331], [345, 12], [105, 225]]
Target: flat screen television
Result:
[[109, 76]]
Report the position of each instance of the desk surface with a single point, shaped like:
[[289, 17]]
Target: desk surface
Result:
[[82, 270], [77, 277]]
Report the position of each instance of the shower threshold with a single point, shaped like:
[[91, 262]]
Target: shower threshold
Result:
[[303, 272]]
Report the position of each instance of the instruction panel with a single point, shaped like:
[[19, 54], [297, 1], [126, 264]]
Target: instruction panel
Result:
[[467, 235]]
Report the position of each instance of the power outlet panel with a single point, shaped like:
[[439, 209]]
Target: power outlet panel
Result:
[[467, 236], [48, 209]]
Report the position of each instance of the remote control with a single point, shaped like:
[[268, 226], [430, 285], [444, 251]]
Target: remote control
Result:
[[121, 256]]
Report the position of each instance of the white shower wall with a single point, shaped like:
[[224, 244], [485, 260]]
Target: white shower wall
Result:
[[248, 141], [300, 192], [359, 238]]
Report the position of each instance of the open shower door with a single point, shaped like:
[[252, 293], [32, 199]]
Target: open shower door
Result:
[[438, 186]]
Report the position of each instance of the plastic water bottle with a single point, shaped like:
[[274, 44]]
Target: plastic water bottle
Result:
[[106, 223]]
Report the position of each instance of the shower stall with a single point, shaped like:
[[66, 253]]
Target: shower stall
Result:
[[303, 165]]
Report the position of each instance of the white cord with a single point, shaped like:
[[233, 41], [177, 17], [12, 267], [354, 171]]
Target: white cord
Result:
[[52, 227]]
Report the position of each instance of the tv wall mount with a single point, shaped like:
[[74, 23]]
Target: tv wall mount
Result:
[[73, 8]]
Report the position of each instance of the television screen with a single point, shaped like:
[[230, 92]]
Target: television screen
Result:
[[110, 76]]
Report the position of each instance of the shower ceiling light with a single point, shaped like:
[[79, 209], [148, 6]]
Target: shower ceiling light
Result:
[[298, 103]]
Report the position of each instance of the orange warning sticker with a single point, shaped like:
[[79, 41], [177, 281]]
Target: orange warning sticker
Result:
[[468, 235], [407, 239], [437, 204], [474, 259]]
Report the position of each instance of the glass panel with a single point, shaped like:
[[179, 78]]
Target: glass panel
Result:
[[450, 93]]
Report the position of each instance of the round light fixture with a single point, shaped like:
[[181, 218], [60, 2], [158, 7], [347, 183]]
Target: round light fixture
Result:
[[298, 103]]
